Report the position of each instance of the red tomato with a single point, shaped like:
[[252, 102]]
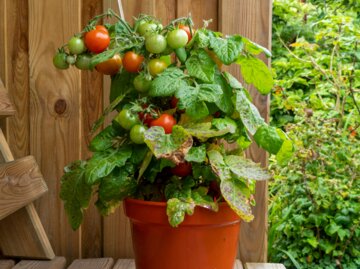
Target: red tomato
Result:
[[132, 61], [166, 121], [97, 40], [109, 67], [187, 30], [182, 169]]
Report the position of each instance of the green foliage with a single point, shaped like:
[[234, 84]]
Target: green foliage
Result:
[[314, 211], [315, 208]]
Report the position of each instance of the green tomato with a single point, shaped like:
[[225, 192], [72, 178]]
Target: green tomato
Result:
[[83, 61], [76, 45], [126, 119], [137, 134], [155, 43], [141, 83], [177, 38], [156, 66], [148, 28], [59, 60]]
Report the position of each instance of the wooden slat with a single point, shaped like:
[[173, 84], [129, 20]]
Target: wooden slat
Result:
[[21, 182], [22, 233], [6, 107], [264, 266], [252, 18], [91, 109], [6, 264], [104, 263], [16, 77], [130, 264], [56, 263], [200, 10], [55, 114]]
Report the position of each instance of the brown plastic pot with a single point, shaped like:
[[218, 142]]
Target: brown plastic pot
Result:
[[205, 240]]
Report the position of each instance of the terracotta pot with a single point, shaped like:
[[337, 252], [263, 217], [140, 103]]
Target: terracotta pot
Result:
[[205, 240]]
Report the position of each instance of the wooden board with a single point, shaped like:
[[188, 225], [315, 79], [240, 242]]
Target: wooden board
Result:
[[15, 63], [104, 263], [56, 263], [6, 264], [55, 113], [21, 182], [252, 19], [264, 266], [6, 107]]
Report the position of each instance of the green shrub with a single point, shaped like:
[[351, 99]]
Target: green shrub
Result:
[[315, 200]]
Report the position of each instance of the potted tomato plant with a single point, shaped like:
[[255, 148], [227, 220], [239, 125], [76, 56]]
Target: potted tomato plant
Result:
[[166, 153]]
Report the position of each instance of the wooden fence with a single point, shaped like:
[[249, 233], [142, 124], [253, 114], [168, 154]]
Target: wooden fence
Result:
[[55, 109]]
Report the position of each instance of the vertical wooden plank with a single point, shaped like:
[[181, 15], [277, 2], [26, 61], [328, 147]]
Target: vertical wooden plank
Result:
[[14, 67], [91, 108], [55, 115], [252, 18], [200, 10], [2, 38]]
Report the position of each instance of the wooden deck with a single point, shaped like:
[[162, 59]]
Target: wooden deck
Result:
[[105, 263]]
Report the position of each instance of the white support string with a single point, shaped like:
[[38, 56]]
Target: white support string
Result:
[[121, 10]]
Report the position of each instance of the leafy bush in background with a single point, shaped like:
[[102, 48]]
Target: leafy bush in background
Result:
[[314, 210]]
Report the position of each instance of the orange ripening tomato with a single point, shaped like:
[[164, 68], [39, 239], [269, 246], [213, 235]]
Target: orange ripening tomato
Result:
[[110, 66], [187, 30], [97, 40], [132, 61]]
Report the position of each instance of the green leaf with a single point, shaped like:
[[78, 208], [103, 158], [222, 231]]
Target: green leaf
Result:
[[249, 114], [312, 241], [196, 154], [200, 38], [177, 209], [287, 149], [332, 228], [172, 146], [203, 131], [75, 192], [201, 66], [201, 199], [193, 99], [218, 165], [255, 72], [245, 168], [121, 83], [227, 50], [268, 138], [114, 188], [224, 101], [225, 123], [168, 82], [103, 140], [103, 163], [233, 194], [255, 48], [232, 81]]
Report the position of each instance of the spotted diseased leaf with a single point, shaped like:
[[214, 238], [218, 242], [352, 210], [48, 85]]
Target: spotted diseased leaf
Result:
[[234, 196], [196, 154], [255, 72], [225, 123], [176, 210], [224, 101], [201, 66], [232, 81], [218, 165], [227, 49], [204, 131], [75, 192], [172, 146], [249, 114], [245, 168]]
